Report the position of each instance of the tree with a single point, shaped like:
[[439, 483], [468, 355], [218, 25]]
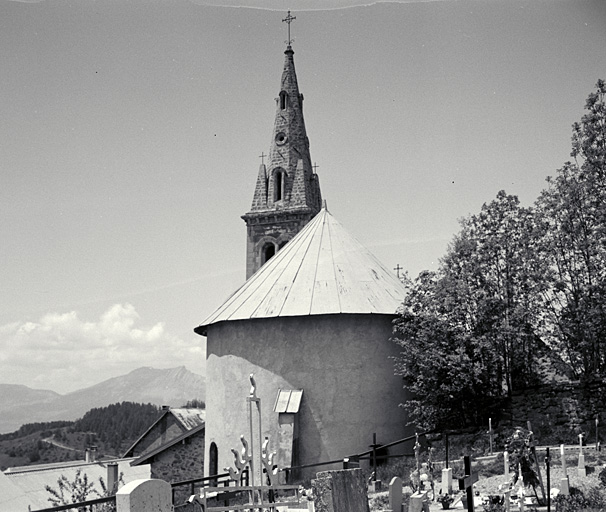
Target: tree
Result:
[[71, 492], [81, 489], [470, 331], [443, 367], [573, 218]]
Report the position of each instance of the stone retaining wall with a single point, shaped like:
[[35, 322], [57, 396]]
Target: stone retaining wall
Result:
[[569, 406]]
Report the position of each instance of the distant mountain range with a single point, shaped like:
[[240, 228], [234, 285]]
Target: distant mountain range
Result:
[[174, 387]]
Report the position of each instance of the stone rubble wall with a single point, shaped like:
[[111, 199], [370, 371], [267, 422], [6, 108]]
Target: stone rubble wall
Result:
[[572, 406]]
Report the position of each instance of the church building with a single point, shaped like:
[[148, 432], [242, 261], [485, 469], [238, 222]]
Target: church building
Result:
[[312, 322]]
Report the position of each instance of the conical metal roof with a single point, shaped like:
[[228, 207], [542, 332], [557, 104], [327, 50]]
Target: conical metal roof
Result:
[[321, 271]]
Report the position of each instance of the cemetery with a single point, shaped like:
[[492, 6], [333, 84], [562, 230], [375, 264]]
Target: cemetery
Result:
[[496, 470]]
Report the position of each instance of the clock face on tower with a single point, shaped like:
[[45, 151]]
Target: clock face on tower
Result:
[[281, 138]]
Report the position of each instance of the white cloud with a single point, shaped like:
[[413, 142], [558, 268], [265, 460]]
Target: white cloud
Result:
[[63, 352]]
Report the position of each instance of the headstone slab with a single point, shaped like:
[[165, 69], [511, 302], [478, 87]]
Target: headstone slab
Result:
[[395, 494], [147, 495], [340, 491]]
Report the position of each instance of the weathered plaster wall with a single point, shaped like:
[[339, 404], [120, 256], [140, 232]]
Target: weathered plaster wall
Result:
[[340, 361]]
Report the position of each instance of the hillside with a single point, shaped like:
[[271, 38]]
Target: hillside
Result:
[[111, 429], [174, 387]]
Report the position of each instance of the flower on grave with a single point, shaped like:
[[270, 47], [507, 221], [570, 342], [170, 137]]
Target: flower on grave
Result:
[[445, 499], [415, 479]]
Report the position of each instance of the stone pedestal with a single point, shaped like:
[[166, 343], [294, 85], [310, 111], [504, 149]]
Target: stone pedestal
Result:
[[342, 490], [446, 481], [418, 502], [582, 471], [564, 486]]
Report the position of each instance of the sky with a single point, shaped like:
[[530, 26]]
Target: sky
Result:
[[131, 133]]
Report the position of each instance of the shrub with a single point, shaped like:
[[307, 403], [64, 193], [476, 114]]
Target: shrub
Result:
[[595, 498], [575, 502], [602, 477]]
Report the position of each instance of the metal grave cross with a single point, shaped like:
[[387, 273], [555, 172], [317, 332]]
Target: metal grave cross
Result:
[[466, 483]]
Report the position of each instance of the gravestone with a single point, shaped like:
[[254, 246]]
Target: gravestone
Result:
[[147, 495], [340, 491], [395, 494]]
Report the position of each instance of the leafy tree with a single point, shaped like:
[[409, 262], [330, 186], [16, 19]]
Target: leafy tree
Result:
[[442, 366], [573, 218], [81, 489], [469, 331]]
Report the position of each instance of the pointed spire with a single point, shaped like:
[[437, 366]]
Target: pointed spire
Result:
[[287, 194]]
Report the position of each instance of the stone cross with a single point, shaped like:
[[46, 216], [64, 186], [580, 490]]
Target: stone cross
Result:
[[466, 483]]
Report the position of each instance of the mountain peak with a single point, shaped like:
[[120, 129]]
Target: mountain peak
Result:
[[171, 386]]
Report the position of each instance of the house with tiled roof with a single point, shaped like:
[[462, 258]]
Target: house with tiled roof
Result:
[[171, 424]]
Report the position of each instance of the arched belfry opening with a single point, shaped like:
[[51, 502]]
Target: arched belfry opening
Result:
[[267, 252]]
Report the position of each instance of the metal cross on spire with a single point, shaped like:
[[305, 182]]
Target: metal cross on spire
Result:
[[289, 19]]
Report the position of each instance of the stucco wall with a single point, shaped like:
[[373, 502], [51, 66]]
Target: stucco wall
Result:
[[340, 361]]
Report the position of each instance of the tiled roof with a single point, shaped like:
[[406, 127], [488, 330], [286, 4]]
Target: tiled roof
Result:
[[147, 456], [323, 270]]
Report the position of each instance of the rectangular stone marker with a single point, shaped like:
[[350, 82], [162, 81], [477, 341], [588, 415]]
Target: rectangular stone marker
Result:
[[395, 494], [446, 480], [340, 491], [506, 465]]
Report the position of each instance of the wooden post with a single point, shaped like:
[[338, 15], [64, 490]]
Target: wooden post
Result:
[[533, 451], [547, 472]]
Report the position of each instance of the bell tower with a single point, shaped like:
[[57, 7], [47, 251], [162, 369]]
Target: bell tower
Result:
[[287, 194]]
